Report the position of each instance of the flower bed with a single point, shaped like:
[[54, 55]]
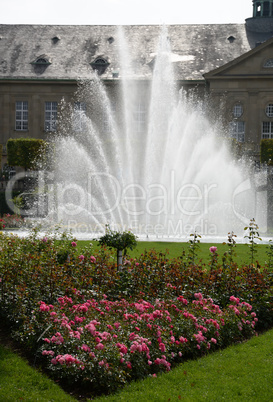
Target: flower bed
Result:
[[106, 343], [11, 221], [99, 327]]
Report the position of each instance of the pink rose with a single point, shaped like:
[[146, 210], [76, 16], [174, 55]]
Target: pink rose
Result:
[[213, 249], [99, 346], [162, 347]]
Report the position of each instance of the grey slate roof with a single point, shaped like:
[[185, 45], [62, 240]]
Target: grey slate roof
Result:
[[196, 49]]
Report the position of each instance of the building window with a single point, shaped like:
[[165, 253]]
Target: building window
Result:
[[79, 116], [267, 130], [266, 10], [237, 130], [21, 116], [100, 65], [237, 110], [50, 116], [140, 118], [268, 63], [269, 110]]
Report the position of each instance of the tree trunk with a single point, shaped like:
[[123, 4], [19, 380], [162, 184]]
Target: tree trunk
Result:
[[119, 259]]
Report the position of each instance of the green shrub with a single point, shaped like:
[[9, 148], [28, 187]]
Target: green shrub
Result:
[[25, 152], [267, 151]]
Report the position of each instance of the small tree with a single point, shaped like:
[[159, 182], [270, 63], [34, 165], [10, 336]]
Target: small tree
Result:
[[118, 240]]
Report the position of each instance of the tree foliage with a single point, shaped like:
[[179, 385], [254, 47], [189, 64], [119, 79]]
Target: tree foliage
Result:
[[118, 240]]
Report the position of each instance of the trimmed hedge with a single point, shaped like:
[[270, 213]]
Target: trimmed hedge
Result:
[[4, 208], [1, 152], [267, 152], [25, 152]]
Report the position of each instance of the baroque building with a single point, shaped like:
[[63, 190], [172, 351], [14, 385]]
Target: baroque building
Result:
[[41, 65]]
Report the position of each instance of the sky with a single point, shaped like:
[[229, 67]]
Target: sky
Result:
[[124, 12]]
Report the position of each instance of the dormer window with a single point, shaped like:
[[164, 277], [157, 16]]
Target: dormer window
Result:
[[231, 39], [40, 64], [100, 64], [55, 39], [41, 60]]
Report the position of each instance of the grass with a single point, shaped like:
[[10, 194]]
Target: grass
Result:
[[176, 250], [239, 373], [20, 382]]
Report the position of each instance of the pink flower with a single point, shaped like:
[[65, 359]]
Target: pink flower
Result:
[[85, 348], [213, 249], [81, 257], [44, 307], [162, 347], [69, 359], [73, 244], [122, 348], [44, 239], [99, 346], [92, 259], [234, 299]]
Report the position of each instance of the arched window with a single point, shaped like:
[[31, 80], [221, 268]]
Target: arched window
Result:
[[41, 60], [269, 110], [100, 64]]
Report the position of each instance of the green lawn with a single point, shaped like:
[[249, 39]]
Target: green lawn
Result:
[[239, 373], [242, 372], [20, 382], [176, 250]]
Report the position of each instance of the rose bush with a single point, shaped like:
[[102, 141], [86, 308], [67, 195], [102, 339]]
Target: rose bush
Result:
[[99, 327], [106, 343]]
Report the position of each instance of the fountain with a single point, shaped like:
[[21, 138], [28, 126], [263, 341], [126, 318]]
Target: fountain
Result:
[[157, 167]]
